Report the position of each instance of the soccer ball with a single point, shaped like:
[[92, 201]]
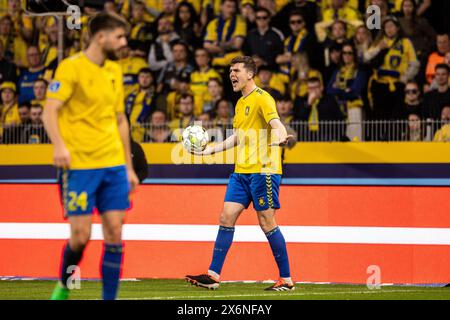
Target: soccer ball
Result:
[[195, 138]]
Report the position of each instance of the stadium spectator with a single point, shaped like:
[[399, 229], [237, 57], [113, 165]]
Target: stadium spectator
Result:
[[40, 91], [362, 41], [334, 61], [160, 51], [34, 133], [285, 109], [336, 38], [187, 25], [414, 131], [131, 63], [179, 67], [110, 6], [27, 77], [271, 5], [395, 63], [14, 46], [307, 9], [347, 84], [412, 103], [168, 10], [186, 117], [22, 24], [437, 57], [158, 131], [268, 82], [333, 31], [340, 10], [205, 120], [434, 84], [302, 72], [8, 70], [317, 108], [215, 93], [141, 29], [383, 5], [140, 103], [418, 30], [247, 11], [264, 43], [224, 113], [13, 134], [49, 48], [200, 78], [300, 40], [9, 111], [24, 113], [173, 98], [436, 99], [225, 34], [443, 134]]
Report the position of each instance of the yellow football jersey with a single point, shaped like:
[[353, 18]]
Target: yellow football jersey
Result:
[[443, 134], [92, 96], [251, 124], [397, 60], [199, 87]]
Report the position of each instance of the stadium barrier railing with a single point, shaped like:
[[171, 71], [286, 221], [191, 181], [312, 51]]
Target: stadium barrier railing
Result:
[[325, 131]]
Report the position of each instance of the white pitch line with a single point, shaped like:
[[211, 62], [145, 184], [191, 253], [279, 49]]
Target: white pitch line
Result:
[[286, 294]]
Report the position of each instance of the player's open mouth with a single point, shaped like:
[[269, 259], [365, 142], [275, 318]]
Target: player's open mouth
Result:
[[234, 82]]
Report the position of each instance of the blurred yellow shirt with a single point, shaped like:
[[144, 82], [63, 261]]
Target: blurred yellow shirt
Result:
[[93, 96]]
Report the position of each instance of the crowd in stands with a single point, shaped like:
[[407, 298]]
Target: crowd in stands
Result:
[[320, 60]]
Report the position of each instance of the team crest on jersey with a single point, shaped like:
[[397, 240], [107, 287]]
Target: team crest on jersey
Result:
[[54, 86], [261, 201], [247, 110]]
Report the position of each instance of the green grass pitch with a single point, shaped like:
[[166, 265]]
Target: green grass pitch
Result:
[[179, 289]]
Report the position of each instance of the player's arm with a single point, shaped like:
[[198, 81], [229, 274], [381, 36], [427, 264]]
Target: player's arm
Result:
[[281, 137], [61, 155], [228, 143], [124, 131]]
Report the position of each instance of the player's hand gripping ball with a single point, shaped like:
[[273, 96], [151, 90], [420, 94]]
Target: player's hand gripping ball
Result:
[[195, 138]]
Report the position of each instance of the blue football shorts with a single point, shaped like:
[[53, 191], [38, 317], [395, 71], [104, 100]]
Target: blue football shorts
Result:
[[83, 190], [261, 189]]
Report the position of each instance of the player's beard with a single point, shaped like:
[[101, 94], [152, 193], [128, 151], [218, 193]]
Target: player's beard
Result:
[[112, 54]]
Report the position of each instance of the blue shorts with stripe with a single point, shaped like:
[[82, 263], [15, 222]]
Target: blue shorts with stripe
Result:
[[261, 189], [83, 190]]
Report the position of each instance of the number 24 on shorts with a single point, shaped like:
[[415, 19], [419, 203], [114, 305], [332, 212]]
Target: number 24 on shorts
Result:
[[77, 201]]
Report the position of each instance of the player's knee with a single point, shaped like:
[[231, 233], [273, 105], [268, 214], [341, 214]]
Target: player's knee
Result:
[[113, 234], [267, 222], [79, 239], [226, 219]]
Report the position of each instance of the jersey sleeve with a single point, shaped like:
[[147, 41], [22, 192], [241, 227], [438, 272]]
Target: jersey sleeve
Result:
[[61, 88], [268, 107]]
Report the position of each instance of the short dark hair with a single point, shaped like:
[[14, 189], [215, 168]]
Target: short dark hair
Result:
[[186, 95], [442, 66], [145, 70], [217, 80], [36, 105], [41, 80], [249, 63], [26, 104], [314, 80], [296, 12], [106, 21], [262, 9]]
